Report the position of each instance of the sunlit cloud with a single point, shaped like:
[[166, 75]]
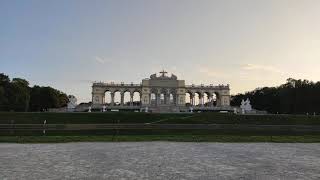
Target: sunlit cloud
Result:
[[101, 60], [258, 67], [209, 72]]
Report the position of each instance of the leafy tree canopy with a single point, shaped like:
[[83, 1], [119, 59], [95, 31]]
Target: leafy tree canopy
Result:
[[293, 97], [16, 95]]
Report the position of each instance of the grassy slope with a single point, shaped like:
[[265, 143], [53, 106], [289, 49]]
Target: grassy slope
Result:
[[128, 117]]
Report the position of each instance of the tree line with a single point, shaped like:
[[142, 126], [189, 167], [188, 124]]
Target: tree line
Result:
[[293, 97], [16, 95]]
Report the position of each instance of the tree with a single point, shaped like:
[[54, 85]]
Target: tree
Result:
[[293, 97], [16, 95], [4, 85], [43, 98]]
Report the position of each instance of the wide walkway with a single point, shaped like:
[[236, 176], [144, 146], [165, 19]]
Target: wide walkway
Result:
[[160, 160]]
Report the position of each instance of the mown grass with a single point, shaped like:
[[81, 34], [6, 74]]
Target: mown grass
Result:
[[222, 135], [175, 138], [131, 117]]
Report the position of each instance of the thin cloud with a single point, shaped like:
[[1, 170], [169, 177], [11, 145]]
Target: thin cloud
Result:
[[100, 60], [212, 72], [257, 67]]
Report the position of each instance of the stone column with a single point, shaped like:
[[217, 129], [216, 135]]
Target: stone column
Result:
[[218, 100], [112, 99], [131, 99], [158, 98], [176, 99], [201, 98], [211, 100], [166, 99], [122, 99]]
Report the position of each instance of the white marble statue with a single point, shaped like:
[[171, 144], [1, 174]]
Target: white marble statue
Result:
[[146, 109], [89, 109], [246, 106], [104, 108], [235, 111], [72, 102]]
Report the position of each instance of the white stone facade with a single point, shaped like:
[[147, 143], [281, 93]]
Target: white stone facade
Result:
[[163, 93]]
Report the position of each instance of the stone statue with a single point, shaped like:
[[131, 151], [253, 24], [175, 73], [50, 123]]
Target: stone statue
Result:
[[174, 77], [153, 76], [146, 109], [72, 104], [104, 108], [235, 111], [89, 109], [242, 103], [246, 106]]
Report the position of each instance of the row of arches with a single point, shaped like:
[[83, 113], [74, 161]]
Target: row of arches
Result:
[[162, 98], [118, 98], [201, 99], [134, 99], [127, 98]]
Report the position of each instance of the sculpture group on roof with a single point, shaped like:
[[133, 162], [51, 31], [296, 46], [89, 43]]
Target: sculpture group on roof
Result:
[[163, 76]]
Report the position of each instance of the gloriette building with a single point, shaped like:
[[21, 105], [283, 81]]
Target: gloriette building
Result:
[[161, 93]]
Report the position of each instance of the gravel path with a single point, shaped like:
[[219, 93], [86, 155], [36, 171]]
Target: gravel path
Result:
[[160, 160]]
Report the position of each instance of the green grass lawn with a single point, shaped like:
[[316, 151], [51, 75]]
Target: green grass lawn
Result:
[[222, 135], [131, 117]]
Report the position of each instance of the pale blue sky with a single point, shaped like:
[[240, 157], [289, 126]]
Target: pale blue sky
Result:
[[244, 43]]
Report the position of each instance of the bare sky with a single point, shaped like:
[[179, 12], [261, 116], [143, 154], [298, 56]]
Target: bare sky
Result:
[[244, 43]]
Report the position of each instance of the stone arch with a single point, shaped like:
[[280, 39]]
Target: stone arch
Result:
[[137, 90], [136, 97], [107, 97], [163, 91], [117, 97], [172, 96], [126, 97], [189, 96], [153, 96], [215, 98], [162, 95], [197, 98], [162, 98], [207, 98], [153, 90]]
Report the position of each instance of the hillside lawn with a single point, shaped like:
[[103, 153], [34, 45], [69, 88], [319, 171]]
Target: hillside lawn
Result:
[[135, 117], [156, 135]]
